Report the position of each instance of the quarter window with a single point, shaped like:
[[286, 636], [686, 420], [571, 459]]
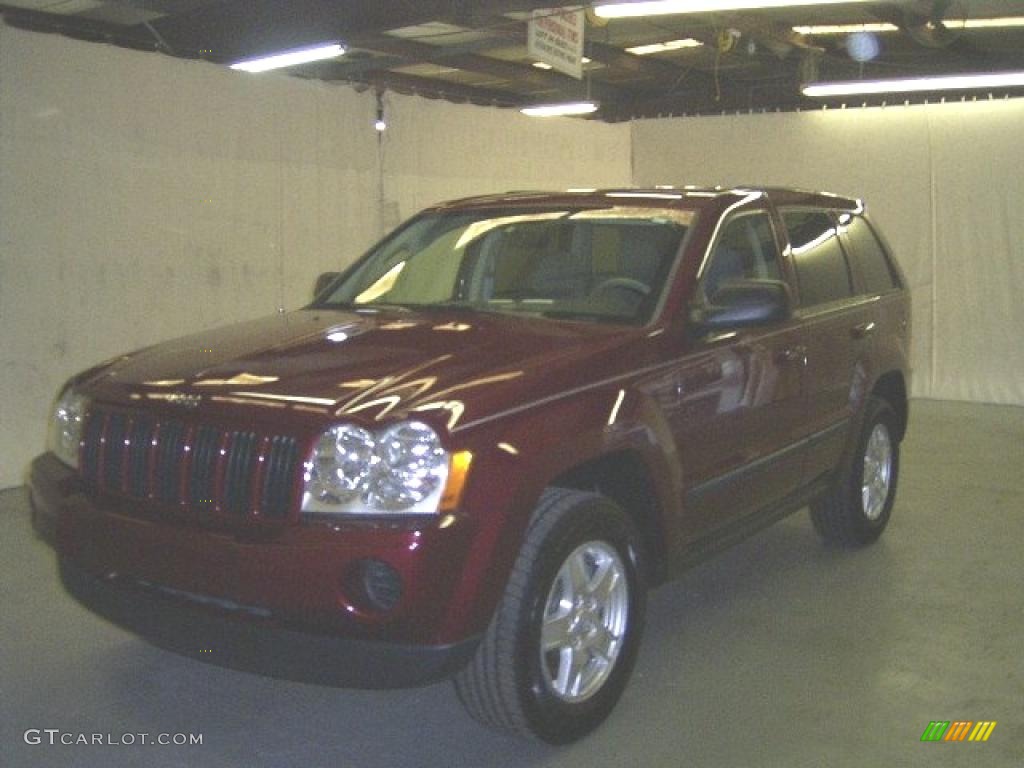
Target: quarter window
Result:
[[746, 250], [874, 264], [821, 268]]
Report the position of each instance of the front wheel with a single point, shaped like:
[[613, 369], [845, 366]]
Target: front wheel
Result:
[[857, 509], [562, 643]]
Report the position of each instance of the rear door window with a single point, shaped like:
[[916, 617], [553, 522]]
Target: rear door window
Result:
[[821, 269]]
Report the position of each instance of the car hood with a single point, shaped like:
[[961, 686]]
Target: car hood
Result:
[[369, 365]]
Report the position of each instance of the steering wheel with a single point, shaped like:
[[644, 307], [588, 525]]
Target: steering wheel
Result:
[[624, 282]]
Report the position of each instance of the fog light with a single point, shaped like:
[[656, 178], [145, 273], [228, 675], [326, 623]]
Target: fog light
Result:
[[379, 584]]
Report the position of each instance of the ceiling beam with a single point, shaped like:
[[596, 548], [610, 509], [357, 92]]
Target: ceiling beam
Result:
[[729, 96], [137, 37], [235, 29], [352, 65], [347, 68], [431, 88], [960, 54], [521, 77], [925, 62], [666, 77], [655, 69], [778, 38], [682, 104]]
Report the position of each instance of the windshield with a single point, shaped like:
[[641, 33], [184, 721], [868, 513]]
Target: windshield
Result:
[[602, 265]]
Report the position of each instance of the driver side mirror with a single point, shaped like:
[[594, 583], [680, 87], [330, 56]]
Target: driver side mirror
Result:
[[743, 303], [322, 282]]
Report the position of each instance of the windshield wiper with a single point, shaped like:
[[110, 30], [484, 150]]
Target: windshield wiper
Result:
[[352, 307], [451, 306], [570, 314]]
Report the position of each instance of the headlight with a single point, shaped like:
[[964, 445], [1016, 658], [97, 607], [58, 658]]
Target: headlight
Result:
[[401, 470], [65, 433]]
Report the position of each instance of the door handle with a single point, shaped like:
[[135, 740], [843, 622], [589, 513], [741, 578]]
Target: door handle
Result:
[[792, 354], [863, 330]]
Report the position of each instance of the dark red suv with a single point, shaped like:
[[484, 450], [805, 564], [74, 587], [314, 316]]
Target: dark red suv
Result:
[[478, 447]]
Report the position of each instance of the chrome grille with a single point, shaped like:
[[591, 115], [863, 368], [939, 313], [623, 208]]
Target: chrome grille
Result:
[[201, 468]]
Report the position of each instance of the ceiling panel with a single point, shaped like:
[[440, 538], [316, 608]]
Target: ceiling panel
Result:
[[476, 51]]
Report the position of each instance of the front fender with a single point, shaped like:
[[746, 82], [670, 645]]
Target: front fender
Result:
[[515, 459]]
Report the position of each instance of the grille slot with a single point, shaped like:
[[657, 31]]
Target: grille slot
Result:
[[170, 454], [114, 450], [199, 468], [140, 438], [238, 476], [203, 470], [91, 447], [277, 485]]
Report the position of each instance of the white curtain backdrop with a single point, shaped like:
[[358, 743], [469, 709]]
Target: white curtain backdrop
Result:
[[143, 197], [944, 183]]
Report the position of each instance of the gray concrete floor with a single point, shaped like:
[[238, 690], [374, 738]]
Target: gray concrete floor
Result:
[[777, 653]]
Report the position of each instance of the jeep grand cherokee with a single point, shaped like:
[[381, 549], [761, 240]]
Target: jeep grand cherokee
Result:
[[479, 446]]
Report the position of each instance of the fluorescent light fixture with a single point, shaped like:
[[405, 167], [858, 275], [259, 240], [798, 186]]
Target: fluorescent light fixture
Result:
[[916, 84], [845, 29], [545, 65], [1002, 22], [998, 23], [668, 45], [557, 110], [290, 58], [665, 7]]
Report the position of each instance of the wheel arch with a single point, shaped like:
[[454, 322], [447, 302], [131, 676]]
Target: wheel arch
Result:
[[892, 388], [625, 478]]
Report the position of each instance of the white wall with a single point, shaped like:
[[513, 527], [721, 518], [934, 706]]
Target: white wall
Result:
[[942, 181], [435, 150], [143, 197]]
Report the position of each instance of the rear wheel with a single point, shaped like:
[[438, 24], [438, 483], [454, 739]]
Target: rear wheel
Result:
[[857, 509], [562, 643]]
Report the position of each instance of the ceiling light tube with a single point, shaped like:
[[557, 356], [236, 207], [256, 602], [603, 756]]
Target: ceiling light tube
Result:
[[997, 23], [845, 29], [665, 7], [916, 84], [290, 58], [558, 110], [1002, 22], [668, 45], [545, 65]]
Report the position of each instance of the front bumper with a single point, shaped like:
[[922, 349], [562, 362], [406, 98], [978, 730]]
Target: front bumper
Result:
[[269, 599], [264, 649]]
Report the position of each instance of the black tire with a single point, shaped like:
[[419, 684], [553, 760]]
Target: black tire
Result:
[[506, 686], [845, 517]]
